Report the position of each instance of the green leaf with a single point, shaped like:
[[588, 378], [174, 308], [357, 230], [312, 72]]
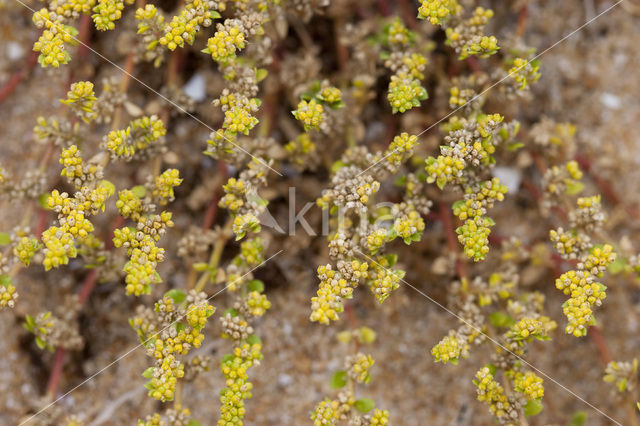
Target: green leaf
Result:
[[364, 405], [226, 358], [579, 418], [618, 265], [193, 422], [254, 340], [515, 146], [366, 335], [337, 166], [532, 408], [139, 191], [148, 373], [200, 266], [29, 323], [40, 343], [178, 296], [230, 311], [500, 319], [149, 386], [215, 14], [261, 74], [108, 185], [441, 182], [256, 285], [4, 239], [339, 379], [574, 187], [5, 280]]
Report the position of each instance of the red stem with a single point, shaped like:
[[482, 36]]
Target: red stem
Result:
[[17, 76], [56, 373]]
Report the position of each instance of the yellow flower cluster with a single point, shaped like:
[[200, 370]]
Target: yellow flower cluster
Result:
[[71, 162], [258, 303], [310, 114], [143, 253], [72, 211], [107, 12], [400, 148], [382, 280], [129, 204], [376, 240], [8, 293], [359, 366], [251, 251], [524, 72], [584, 295], [409, 227], [150, 23], [234, 368], [438, 10], [397, 32], [229, 38], [140, 133], [474, 236], [26, 249], [379, 418], [81, 99], [238, 119], [459, 97], [164, 184], [574, 170], [448, 349], [488, 123], [300, 148], [169, 369], [599, 258], [444, 169], [366, 190], [530, 385], [233, 199], [244, 223], [326, 413], [328, 302], [183, 27], [405, 93], [330, 95], [492, 392], [51, 43], [528, 328]]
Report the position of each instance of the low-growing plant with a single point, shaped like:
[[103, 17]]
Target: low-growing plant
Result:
[[139, 172]]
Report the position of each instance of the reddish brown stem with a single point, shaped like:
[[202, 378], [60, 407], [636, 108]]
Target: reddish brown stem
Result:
[[17, 76], [601, 344], [56, 373], [523, 18]]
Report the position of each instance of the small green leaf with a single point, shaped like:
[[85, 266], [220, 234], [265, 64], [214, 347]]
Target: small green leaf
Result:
[[215, 14], [579, 418], [108, 185], [261, 74], [193, 422], [4, 239], [618, 265], [200, 266], [339, 379], [40, 343], [500, 319], [227, 358], [337, 166], [254, 340], [574, 187], [148, 373], [515, 146], [230, 311], [366, 335], [532, 408], [256, 285], [364, 405], [178, 296], [139, 191], [149, 386], [5, 280], [441, 182]]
